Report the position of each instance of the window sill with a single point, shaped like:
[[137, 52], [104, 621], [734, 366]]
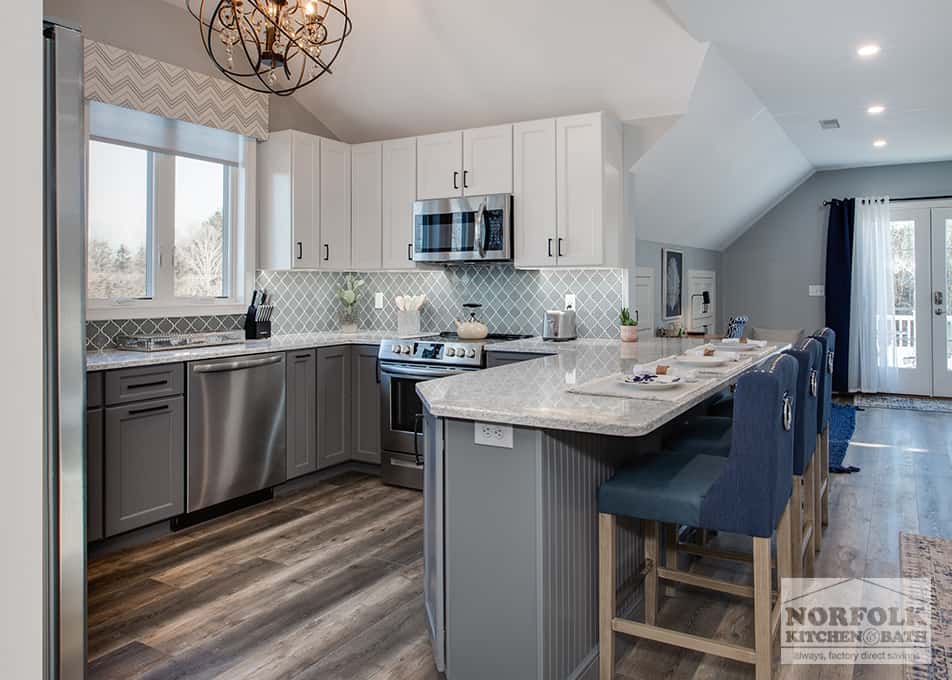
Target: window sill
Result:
[[145, 311]]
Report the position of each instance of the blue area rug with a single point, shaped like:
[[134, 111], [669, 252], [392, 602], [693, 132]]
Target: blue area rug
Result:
[[842, 426]]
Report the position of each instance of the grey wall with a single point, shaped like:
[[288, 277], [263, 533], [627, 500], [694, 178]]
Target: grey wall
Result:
[[767, 270], [170, 34], [648, 254]]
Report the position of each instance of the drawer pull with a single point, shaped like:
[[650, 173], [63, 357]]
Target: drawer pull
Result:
[[302, 356], [152, 409], [140, 386]]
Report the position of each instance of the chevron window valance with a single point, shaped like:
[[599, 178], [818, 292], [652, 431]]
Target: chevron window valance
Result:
[[122, 78]]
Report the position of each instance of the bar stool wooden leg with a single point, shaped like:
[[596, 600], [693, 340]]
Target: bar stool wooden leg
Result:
[[670, 553], [807, 551], [825, 475], [606, 596], [784, 547], [763, 639], [796, 525], [650, 533]]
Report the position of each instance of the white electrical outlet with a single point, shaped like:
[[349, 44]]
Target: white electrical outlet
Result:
[[493, 434], [378, 300], [817, 290], [569, 301]]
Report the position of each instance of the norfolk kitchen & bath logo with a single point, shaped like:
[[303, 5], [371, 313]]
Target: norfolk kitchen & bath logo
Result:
[[856, 621]]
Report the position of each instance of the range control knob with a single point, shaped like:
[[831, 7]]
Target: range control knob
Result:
[[396, 349], [450, 352], [407, 349], [471, 353]]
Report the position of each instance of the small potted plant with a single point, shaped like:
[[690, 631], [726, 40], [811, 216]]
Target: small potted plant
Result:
[[348, 294], [629, 326]]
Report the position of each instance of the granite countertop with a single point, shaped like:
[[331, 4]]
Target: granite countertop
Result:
[[114, 358], [533, 393]]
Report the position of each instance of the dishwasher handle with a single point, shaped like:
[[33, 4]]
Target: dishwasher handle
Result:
[[223, 366]]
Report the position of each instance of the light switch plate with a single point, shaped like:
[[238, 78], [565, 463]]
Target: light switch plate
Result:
[[378, 300], [817, 290], [569, 301], [493, 434]]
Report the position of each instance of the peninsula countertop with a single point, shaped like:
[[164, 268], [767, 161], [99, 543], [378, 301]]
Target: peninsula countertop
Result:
[[114, 358], [533, 393]]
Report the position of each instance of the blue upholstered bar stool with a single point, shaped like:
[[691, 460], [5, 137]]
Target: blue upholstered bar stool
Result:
[[803, 508], [827, 338], [746, 492]]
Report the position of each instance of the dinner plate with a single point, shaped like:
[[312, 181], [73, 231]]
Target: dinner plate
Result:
[[651, 382], [735, 347], [701, 361]]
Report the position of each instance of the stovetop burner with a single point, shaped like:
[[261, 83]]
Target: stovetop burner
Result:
[[450, 335]]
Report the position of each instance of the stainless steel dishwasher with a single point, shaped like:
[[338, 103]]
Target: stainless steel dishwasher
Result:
[[236, 428]]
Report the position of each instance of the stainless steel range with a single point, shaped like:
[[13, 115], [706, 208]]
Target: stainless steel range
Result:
[[404, 363]]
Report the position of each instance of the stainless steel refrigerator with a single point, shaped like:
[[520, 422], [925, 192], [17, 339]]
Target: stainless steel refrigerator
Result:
[[64, 345]]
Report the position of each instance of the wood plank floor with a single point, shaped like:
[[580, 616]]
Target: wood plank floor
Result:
[[323, 583], [327, 582]]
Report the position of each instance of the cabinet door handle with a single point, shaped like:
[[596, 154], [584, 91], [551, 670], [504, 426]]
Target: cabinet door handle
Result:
[[560, 247], [327, 252], [410, 252], [455, 179], [550, 247], [465, 181], [300, 249], [153, 409]]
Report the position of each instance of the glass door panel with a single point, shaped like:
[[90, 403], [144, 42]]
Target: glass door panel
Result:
[[941, 295]]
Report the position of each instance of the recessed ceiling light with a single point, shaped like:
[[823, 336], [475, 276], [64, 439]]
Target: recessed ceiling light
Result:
[[879, 143], [868, 50], [875, 110]]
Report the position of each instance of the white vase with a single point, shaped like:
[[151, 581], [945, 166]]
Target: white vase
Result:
[[628, 333], [348, 319]]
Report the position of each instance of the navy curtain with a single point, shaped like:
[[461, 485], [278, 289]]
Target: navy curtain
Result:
[[839, 276]]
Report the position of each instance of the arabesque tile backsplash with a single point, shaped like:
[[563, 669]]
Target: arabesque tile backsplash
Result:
[[513, 301]]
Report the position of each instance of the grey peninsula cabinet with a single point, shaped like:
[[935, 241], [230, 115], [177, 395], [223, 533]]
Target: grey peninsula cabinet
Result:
[[302, 412], [365, 404], [144, 451], [94, 457], [333, 406]]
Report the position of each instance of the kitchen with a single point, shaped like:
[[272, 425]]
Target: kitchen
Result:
[[353, 363]]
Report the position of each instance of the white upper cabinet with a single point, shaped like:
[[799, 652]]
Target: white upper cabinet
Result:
[[588, 152], [335, 205], [289, 201], [440, 165], [399, 193], [487, 160], [534, 194], [366, 205]]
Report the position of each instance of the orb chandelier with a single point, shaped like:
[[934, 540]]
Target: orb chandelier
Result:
[[276, 46]]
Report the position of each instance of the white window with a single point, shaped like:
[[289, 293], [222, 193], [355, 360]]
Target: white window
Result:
[[167, 218]]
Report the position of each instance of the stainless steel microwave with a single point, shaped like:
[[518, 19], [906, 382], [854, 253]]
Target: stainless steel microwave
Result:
[[464, 229]]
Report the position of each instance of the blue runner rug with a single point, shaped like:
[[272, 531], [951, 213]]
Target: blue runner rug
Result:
[[842, 426]]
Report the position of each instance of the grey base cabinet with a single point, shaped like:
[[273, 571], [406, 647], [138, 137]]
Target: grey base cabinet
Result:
[[365, 404], [333, 406], [494, 359], [302, 412], [144, 463]]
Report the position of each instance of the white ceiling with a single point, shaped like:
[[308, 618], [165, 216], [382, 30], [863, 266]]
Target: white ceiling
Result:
[[800, 58], [418, 66], [716, 169]]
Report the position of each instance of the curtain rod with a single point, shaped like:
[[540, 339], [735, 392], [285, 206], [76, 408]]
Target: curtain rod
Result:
[[910, 198]]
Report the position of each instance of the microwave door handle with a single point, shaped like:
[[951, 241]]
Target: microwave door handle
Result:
[[480, 214]]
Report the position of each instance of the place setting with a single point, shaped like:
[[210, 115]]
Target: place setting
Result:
[[661, 380]]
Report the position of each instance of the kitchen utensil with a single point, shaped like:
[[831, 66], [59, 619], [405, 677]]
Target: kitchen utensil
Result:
[[559, 325], [399, 302], [472, 328]]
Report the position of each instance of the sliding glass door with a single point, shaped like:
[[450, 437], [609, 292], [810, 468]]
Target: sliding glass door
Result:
[[922, 274]]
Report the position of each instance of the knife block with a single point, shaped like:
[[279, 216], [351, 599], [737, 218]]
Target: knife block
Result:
[[256, 330]]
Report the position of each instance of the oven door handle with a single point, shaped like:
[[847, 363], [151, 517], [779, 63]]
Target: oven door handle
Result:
[[417, 427], [418, 371]]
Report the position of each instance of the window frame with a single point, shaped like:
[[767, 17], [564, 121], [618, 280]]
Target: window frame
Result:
[[240, 239]]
